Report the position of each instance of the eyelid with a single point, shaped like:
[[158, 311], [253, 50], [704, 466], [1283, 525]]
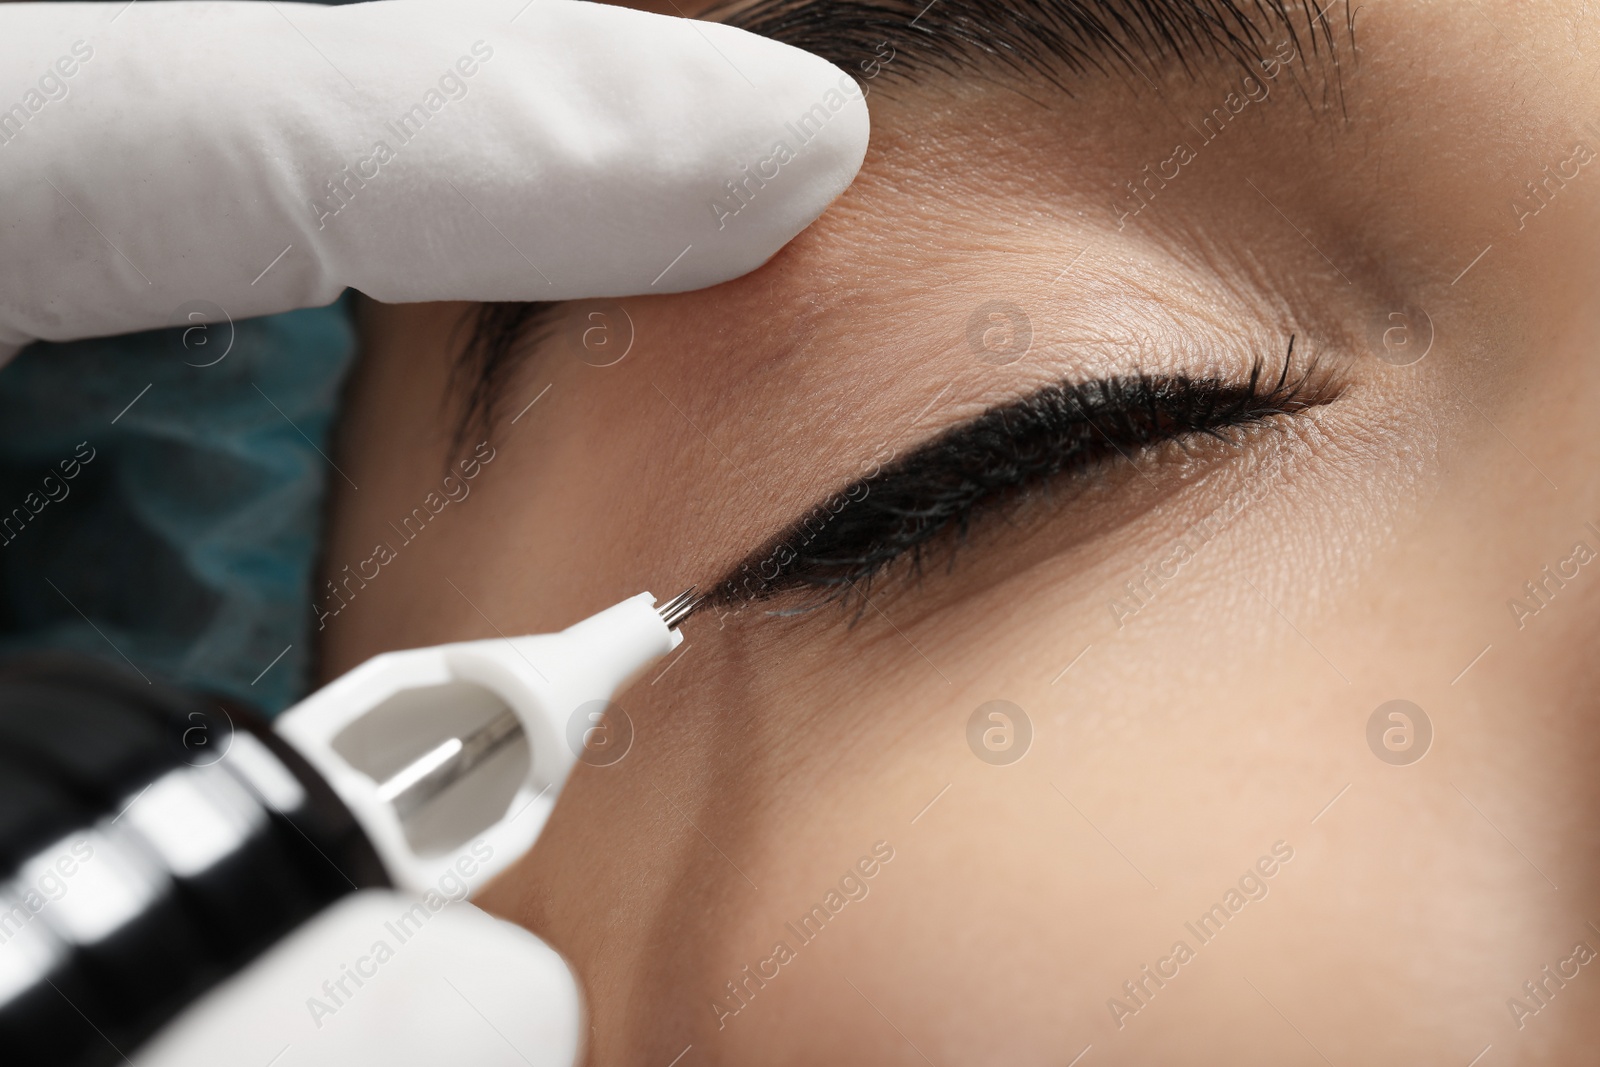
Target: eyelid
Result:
[[1060, 431]]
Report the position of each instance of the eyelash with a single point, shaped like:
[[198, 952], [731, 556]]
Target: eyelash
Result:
[[1063, 431]]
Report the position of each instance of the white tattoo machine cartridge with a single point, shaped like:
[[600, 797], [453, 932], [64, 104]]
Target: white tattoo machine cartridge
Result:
[[433, 748]]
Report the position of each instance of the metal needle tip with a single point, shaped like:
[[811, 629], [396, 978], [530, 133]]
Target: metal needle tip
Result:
[[680, 607]]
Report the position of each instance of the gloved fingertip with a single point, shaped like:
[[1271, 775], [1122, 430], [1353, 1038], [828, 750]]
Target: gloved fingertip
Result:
[[797, 128]]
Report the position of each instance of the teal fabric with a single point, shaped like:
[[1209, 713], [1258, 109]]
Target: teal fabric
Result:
[[178, 534]]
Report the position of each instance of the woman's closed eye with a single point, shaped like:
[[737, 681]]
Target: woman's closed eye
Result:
[[1064, 432]]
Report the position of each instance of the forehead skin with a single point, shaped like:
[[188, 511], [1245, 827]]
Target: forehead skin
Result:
[[1369, 553]]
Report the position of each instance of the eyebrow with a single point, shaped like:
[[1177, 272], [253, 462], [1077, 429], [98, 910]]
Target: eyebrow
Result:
[[838, 545], [1057, 40]]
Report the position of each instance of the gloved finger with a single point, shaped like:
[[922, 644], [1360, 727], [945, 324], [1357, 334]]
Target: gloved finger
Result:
[[432, 973], [248, 158]]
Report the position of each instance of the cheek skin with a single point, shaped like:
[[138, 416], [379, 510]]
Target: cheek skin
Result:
[[1190, 740]]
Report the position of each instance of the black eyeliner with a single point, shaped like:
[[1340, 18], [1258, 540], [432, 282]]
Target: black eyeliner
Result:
[[1061, 430]]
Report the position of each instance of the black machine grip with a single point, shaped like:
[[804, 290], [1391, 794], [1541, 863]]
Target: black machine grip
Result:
[[152, 842]]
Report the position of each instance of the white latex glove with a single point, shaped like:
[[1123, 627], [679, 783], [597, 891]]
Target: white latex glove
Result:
[[176, 162], [447, 987]]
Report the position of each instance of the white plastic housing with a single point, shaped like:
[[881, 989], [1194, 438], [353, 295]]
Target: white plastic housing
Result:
[[366, 725]]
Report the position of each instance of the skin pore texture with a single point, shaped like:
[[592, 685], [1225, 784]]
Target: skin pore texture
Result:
[[1198, 632]]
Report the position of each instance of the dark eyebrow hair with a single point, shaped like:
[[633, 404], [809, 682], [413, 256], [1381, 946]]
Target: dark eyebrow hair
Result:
[[1056, 40], [1051, 40], [839, 545]]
